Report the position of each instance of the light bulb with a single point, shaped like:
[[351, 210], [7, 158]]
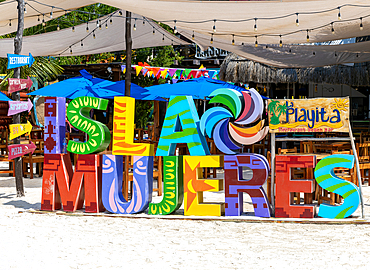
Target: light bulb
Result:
[[212, 39], [256, 43], [332, 28], [255, 25], [192, 37], [297, 21], [111, 21], [361, 25], [339, 16], [73, 28], [214, 26], [281, 42], [135, 26], [58, 27], [51, 13], [87, 27], [94, 35], [10, 23]]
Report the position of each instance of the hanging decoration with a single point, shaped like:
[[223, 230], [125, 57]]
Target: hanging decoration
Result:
[[174, 74]]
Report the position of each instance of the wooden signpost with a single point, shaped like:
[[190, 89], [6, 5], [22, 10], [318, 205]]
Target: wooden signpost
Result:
[[310, 115]]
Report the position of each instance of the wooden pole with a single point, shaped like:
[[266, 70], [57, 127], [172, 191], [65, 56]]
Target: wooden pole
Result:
[[357, 170], [128, 54], [272, 173], [16, 96]]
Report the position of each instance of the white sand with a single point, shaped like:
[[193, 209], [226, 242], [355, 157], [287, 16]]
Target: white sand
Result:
[[50, 241]]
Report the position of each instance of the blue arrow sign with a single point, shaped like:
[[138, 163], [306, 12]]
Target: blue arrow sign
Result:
[[16, 60]]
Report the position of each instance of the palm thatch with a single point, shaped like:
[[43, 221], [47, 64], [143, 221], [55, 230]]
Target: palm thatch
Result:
[[240, 70]]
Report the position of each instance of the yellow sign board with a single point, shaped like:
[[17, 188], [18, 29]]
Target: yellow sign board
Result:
[[309, 115]]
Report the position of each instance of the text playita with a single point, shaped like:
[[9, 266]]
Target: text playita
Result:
[[97, 179], [313, 116]]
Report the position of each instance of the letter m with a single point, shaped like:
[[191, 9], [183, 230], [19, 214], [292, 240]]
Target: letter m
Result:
[[60, 186]]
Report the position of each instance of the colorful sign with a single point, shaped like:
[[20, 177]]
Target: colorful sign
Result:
[[309, 115], [17, 130], [16, 60], [15, 85], [246, 107], [18, 150], [19, 106]]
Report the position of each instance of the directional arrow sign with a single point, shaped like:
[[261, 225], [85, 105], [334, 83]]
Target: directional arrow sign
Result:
[[19, 106], [16, 60], [18, 150], [15, 85], [17, 130]]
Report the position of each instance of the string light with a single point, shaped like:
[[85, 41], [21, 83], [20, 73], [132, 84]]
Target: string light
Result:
[[297, 21], [143, 21], [73, 28], [281, 42], [313, 53], [135, 25], [163, 38], [10, 23], [175, 28], [70, 49], [97, 23], [82, 44], [58, 27], [214, 26], [361, 25], [106, 25], [335, 54], [111, 21], [193, 36], [38, 18], [212, 38], [43, 20], [339, 16], [233, 41], [87, 27], [51, 13], [25, 10], [153, 31], [120, 12], [308, 37], [255, 24], [256, 43], [94, 35], [332, 28]]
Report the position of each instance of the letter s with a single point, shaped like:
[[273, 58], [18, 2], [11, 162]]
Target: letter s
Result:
[[326, 178]]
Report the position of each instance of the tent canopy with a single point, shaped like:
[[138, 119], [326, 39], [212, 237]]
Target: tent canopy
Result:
[[60, 43]]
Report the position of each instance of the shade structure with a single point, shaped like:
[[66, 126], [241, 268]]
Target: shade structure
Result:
[[86, 85], [4, 97], [198, 88], [110, 38]]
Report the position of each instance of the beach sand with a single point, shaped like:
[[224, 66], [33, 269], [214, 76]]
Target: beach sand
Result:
[[52, 241]]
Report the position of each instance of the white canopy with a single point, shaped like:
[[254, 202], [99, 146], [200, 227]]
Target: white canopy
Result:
[[291, 56], [272, 18], [35, 10], [59, 43]]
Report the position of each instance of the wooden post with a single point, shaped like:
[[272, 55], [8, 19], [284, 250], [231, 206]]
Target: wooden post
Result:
[[16, 96], [272, 173], [357, 170], [128, 54]]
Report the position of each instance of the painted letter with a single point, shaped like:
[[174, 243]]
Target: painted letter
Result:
[[235, 185], [60, 185], [285, 186], [181, 125], [194, 186], [113, 199], [325, 177], [123, 130], [78, 113], [173, 187], [55, 125]]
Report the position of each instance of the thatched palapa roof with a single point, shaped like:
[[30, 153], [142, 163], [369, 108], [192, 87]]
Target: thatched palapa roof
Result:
[[240, 70]]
